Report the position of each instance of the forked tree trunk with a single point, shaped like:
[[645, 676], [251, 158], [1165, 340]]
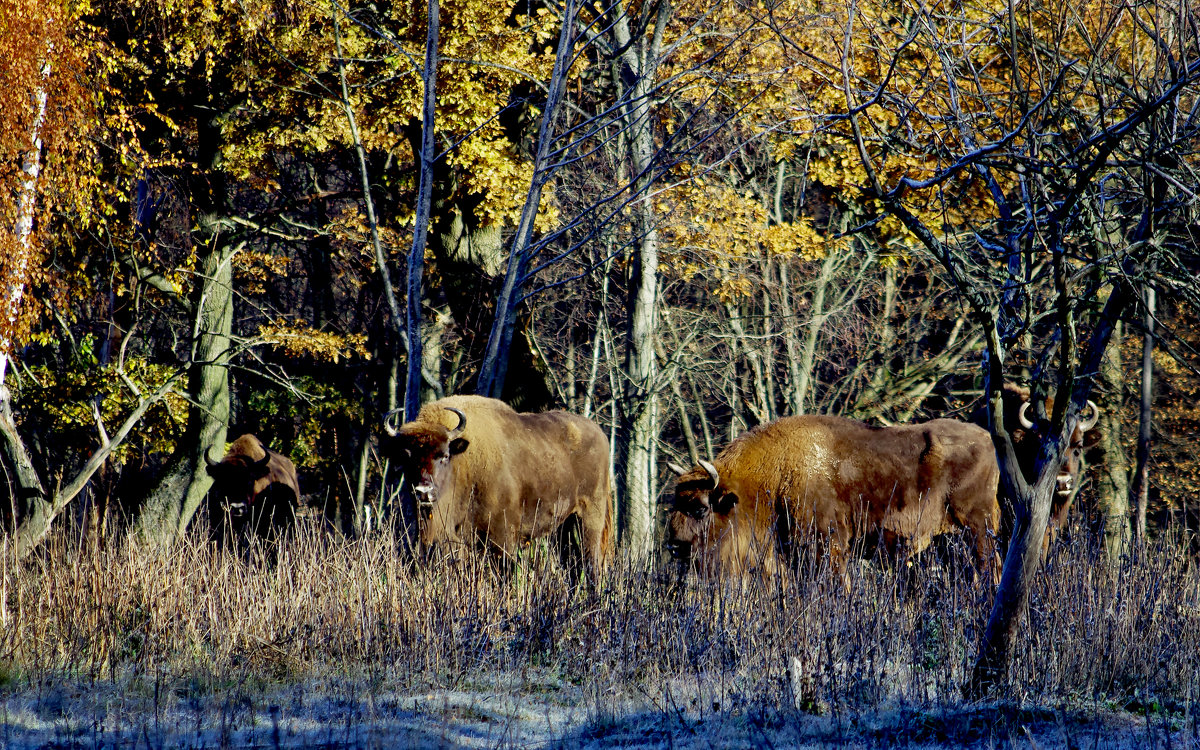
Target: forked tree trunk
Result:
[[1031, 500], [1021, 565]]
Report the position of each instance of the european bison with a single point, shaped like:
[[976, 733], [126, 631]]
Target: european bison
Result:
[[1021, 425], [483, 473], [255, 486], [834, 482]]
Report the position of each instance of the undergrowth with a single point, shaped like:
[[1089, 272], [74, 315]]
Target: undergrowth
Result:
[[197, 618]]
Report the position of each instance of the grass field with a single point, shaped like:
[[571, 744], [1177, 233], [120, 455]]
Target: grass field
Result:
[[104, 643]]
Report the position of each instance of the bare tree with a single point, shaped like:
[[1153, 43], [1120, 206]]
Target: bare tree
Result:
[[1021, 267]]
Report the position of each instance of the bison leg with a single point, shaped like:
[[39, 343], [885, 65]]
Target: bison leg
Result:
[[983, 528], [596, 539]]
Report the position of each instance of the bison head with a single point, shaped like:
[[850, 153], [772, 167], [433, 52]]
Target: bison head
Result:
[[423, 450], [236, 476], [1073, 457], [698, 494]]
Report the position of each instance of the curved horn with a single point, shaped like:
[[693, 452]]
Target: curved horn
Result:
[[208, 458], [677, 470], [262, 462], [1022, 418], [389, 422], [712, 472], [462, 422], [1088, 422]]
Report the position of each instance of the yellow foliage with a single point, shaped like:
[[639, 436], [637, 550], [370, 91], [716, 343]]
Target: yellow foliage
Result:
[[301, 340], [66, 396], [714, 229]]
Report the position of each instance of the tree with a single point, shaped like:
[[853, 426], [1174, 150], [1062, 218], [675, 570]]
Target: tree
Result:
[[1003, 142]]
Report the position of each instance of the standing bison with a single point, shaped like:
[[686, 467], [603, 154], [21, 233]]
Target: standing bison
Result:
[[1021, 423], [835, 482], [485, 474], [255, 487]]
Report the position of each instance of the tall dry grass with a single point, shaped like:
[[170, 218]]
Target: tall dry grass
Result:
[[104, 609]]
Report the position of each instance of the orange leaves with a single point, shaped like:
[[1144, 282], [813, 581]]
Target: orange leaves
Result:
[[256, 269], [46, 151]]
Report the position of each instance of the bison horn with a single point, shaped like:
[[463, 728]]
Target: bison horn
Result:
[[677, 470], [462, 422], [262, 462], [389, 422], [1093, 416], [1022, 418], [208, 459], [712, 472]]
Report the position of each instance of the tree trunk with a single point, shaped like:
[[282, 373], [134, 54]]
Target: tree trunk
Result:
[[170, 507], [28, 497], [494, 370], [1020, 569], [1141, 474], [1031, 500], [638, 62], [1112, 497], [416, 254], [812, 331]]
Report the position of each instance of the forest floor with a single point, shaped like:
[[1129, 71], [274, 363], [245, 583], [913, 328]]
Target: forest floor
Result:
[[509, 710]]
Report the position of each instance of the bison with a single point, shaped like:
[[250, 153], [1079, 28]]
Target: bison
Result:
[[1021, 426], [255, 486], [835, 482], [484, 473]]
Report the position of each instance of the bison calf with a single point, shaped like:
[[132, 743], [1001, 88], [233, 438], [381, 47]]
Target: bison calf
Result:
[[835, 481], [483, 473], [254, 489]]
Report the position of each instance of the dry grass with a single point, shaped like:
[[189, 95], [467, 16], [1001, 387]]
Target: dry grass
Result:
[[329, 617]]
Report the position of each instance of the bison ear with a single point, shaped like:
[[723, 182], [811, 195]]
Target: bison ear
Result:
[[458, 445], [724, 503]]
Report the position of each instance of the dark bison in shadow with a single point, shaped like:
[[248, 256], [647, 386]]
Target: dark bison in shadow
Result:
[[255, 490], [1021, 420]]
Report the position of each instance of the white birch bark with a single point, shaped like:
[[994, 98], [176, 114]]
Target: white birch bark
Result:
[[31, 168]]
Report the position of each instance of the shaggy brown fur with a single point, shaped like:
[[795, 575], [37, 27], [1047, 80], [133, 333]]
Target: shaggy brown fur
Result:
[[509, 477], [834, 481]]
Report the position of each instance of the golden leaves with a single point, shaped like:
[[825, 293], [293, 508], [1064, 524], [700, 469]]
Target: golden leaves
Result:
[[715, 230], [301, 340]]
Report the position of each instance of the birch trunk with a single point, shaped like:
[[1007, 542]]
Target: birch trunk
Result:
[[31, 492]]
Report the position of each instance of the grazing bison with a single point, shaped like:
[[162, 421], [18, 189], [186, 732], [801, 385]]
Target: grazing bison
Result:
[[484, 473], [833, 482], [1020, 424], [255, 486]]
